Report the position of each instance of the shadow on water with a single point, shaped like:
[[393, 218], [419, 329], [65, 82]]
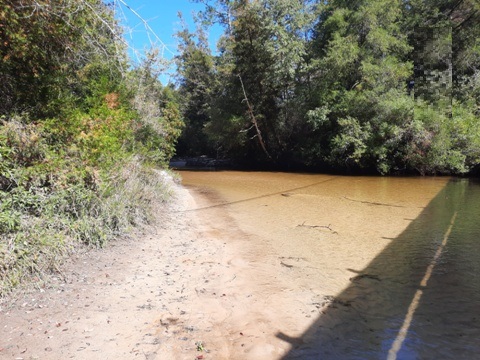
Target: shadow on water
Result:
[[418, 299]]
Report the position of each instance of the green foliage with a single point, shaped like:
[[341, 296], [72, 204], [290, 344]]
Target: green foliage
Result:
[[229, 135], [53, 197], [103, 134], [44, 47], [324, 83], [158, 123], [79, 134], [197, 85], [268, 49]]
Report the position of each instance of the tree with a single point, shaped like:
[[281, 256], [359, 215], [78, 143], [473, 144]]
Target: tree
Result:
[[444, 35], [261, 57], [159, 121], [359, 71], [196, 80], [44, 45]]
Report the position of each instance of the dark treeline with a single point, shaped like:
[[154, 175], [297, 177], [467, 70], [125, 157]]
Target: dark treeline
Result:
[[380, 86]]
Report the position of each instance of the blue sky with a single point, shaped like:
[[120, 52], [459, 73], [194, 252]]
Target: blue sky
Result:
[[161, 17]]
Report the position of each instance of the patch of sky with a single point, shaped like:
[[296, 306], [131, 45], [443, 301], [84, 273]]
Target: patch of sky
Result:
[[153, 23]]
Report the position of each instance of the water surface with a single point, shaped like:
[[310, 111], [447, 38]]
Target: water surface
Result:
[[388, 266]]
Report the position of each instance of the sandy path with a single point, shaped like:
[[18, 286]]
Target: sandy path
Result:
[[188, 289]]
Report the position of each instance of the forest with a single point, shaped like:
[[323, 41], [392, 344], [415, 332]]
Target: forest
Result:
[[362, 86]]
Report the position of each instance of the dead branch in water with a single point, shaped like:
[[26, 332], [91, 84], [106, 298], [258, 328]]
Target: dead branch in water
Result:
[[365, 276], [328, 227], [374, 203]]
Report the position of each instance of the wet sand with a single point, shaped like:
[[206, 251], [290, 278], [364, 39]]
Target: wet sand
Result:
[[228, 273]]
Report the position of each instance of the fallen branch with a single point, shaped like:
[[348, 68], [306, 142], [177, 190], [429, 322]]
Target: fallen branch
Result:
[[373, 203], [365, 276]]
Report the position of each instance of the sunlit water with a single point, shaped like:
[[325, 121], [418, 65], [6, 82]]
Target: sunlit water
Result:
[[399, 258]]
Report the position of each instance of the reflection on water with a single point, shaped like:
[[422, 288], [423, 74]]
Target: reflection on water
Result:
[[444, 323], [375, 245]]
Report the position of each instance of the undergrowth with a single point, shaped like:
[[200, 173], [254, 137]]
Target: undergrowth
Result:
[[69, 183]]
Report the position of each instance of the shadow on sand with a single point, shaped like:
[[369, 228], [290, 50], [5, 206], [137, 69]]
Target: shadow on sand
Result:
[[418, 299]]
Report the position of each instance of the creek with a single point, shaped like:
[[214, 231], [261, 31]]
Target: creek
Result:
[[387, 267]]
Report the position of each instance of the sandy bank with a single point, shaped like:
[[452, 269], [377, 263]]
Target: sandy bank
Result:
[[187, 289]]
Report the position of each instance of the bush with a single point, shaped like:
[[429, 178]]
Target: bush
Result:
[[69, 182]]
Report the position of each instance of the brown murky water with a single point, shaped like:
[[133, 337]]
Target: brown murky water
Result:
[[389, 266]]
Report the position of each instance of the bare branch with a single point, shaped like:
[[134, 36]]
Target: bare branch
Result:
[[145, 23], [254, 121]]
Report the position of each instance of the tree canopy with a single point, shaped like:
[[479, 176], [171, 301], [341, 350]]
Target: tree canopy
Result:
[[385, 86]]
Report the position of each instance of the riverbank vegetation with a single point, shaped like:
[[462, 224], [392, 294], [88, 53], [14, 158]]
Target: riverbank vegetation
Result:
[[81, 132], [378, 86]]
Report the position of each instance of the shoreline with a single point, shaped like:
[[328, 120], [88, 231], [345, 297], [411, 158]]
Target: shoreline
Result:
[[219, 278], [182, 290]]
